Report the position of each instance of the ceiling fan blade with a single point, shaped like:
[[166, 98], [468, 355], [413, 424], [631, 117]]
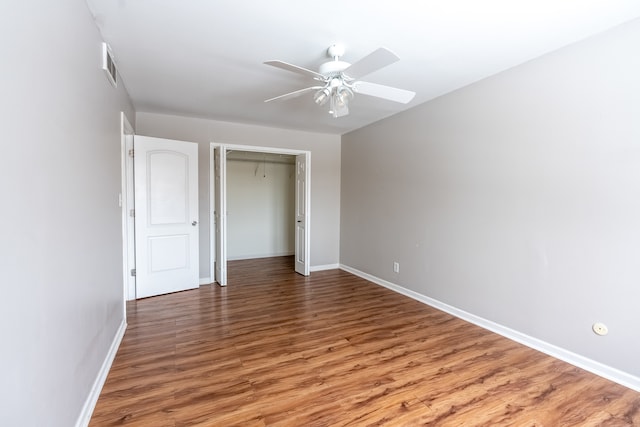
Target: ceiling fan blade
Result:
[[294, 94], [382, 91], [296, 69], [377, 59]]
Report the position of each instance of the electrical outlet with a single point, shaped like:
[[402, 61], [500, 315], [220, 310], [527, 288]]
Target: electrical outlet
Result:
[[600, 328], [396, 267]]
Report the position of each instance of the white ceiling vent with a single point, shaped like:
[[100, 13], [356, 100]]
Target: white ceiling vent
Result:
[[108, 65]]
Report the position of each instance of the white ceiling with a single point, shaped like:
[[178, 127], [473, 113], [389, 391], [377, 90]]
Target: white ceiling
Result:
[[204, 58]]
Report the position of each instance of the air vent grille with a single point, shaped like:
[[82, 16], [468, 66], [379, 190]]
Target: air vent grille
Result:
[[108, 65]]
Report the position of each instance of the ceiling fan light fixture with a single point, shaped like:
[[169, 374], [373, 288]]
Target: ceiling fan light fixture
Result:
[[322, 96], [338, 108], [343, 96]]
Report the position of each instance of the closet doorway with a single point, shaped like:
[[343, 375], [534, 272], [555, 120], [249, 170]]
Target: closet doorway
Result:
[[259, 206]]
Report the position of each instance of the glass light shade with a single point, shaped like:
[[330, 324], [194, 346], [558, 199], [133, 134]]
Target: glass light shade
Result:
[[343, 96], [321, 96]]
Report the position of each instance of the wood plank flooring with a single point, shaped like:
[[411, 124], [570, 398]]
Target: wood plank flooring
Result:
[[277, 349]]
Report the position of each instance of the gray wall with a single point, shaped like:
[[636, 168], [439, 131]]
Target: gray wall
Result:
[[61, 250], [516, 199], [325, 171]]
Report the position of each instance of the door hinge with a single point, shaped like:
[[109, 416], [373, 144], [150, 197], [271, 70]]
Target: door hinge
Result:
[[131, 153], [132, 213], [133, 272]]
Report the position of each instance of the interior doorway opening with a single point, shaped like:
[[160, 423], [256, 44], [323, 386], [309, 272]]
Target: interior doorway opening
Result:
[[260, 205], [260, 199]]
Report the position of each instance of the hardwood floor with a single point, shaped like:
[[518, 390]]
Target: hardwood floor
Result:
[[277, 349]]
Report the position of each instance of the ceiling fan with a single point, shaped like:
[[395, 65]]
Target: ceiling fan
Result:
[[339, 80]]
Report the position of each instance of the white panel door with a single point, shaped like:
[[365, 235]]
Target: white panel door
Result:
[[302, 215], [220, 214], [166, 215]]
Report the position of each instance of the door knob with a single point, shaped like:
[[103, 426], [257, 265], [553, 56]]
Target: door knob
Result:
[[194, 223]]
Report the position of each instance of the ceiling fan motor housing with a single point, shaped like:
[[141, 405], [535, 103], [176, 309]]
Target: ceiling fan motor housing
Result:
[[332, 68]]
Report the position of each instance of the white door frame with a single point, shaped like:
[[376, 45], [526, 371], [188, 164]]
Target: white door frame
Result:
[[127, 203], [219, 215], [255, 149]]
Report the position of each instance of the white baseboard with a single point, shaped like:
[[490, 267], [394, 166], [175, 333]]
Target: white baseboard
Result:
[[92, 399], [600, 369], [205, 281], [324, 267]]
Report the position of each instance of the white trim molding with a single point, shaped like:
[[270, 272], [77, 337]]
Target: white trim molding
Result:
[[600, 369], [324, 267], [127, 134], [205, 281], [96, 388]]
